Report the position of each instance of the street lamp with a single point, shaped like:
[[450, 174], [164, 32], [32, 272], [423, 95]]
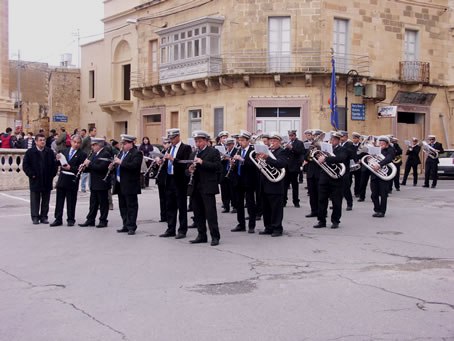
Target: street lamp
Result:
[[357, 86]]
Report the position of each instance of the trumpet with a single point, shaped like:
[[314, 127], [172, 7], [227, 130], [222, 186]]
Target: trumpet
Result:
[[370, 160], [430, 151], [335, 171], [273, 174]]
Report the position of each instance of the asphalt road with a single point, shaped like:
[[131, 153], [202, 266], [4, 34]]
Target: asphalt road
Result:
[[372, 279]]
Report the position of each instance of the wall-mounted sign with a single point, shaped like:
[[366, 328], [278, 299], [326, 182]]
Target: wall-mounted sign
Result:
[[387, 111], [59, 117], [358, 112]]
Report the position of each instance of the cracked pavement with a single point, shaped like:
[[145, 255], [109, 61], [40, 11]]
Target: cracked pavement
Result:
[[372, 279]]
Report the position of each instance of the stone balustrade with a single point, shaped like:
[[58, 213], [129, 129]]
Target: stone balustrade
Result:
[[11, 174]]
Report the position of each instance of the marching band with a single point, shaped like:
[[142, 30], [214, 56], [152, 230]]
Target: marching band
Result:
[[253, 172]]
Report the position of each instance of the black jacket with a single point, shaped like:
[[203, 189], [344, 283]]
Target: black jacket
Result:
[[295, 156], [248, 170], [413, 155], [179, 169], [70, 182], [398, 152], [41, 168], [438, 146], [129, 173], [281, 161], [206, 176], [226, 162], [98, 169]]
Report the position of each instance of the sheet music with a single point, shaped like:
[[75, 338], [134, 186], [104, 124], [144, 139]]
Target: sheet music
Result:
[[374, 150], [327, 147], [221, 150], [327, 137], [307, 145], [407, 142], [63, 160], [261, 148]]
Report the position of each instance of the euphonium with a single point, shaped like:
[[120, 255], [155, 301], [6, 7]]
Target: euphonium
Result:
[[335, 170], [430, 151], [273, 174], [370, 160]]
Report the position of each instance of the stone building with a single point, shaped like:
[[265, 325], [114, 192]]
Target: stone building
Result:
[[7, 114], [266, 65], [50, 95]]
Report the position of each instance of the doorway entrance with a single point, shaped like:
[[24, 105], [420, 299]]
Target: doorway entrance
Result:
[[277, 119], [409, 125]]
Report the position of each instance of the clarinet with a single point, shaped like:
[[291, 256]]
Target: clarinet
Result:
[[82, 167], [162, 164], [232, 166], [191, 178], [110, 168]]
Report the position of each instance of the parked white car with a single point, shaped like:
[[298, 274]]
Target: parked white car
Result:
[[446, 165]]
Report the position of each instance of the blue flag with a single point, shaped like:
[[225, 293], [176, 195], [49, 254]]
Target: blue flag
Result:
[[333, 98]]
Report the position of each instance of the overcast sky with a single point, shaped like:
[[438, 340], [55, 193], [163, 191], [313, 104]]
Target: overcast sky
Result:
[[43, 30]]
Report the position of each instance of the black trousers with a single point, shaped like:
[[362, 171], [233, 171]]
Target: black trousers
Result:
[[228, 196], [176, 203], [273, 212], [396, 180], [249, 194], [365, 175], [39, 204], [258, 201], [330, 190], [312, 188], [431, 172], [357, 183], [414, 168], [204, 206], [98, 200], [129, 207], [71, 201], [291, 178], [379, 194], [347, 184], [162, 201]]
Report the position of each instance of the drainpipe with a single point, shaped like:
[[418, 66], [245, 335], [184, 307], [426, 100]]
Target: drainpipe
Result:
[[445, 129]]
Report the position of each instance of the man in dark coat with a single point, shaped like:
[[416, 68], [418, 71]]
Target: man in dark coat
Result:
[[205, 173], [40, 166], [176, 185], [350, 152], [68, 182], [244, 178], [127, 183], [312, 171], [295, 154], [397, 162], [273, 191], [97, 165], [432, 163], [228, 195], [330, 188], [412, 162]]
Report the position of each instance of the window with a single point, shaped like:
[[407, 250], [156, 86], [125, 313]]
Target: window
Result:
[[153, 62], [127, 82], [91, 84], [411, 46], [279, 44], [156, 118], [199, 41], [218, 120], [195, 120], [340, 44]]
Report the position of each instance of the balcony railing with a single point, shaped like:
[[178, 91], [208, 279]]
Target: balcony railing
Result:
[[414, 72], [251, 62], [11, 174]]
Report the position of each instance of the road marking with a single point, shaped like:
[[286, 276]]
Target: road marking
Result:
[[15, 215], [21, 199]]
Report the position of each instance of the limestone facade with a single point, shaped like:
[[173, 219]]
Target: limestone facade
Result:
[[265, 65], [6, 104]]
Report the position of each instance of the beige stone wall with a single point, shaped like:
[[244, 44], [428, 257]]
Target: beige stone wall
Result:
[[6, 104]]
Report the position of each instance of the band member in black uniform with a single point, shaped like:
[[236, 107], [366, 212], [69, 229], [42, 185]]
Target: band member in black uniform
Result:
[[176, 185], [307, 138], [365, 174], [432, 163], [356, 174], [40, 167], [205, 172], [351, 155], [98, 166], [126, 170], [397, 162], [272, 192], [412, 162], [312, 175], [330, 188], [265, 139], [228, 195], [222, 137], [68, 182], [161, 183], [379, 187], [295, 154], [244, 178]]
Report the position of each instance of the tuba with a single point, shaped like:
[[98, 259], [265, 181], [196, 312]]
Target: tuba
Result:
[[430, 151], [369, 160], [273, 174], [335, 171]]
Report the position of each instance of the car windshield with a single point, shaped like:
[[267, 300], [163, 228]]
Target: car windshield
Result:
[[447, 154]]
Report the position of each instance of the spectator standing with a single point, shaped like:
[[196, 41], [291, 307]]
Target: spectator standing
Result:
[[86, 148]]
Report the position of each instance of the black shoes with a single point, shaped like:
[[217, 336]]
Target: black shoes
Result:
[[266, 232], [123, 230], [403, 184], [276, 234], [238, 228], [426, 186], [319, 225], [167, 234], [101, 225], [258, 217], [70, 223], [311, 215], [199, 240], [349, 208], [233, 210], [35, 221], [180, 236], [214, 242], [360, 199], [87, 223], [56, 223], [225, 210], [433, 186], [131, 233], [335, 225], [162, 220], [297, 205], [44, 221], [378, 215], [251, 230], [398, 189]]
